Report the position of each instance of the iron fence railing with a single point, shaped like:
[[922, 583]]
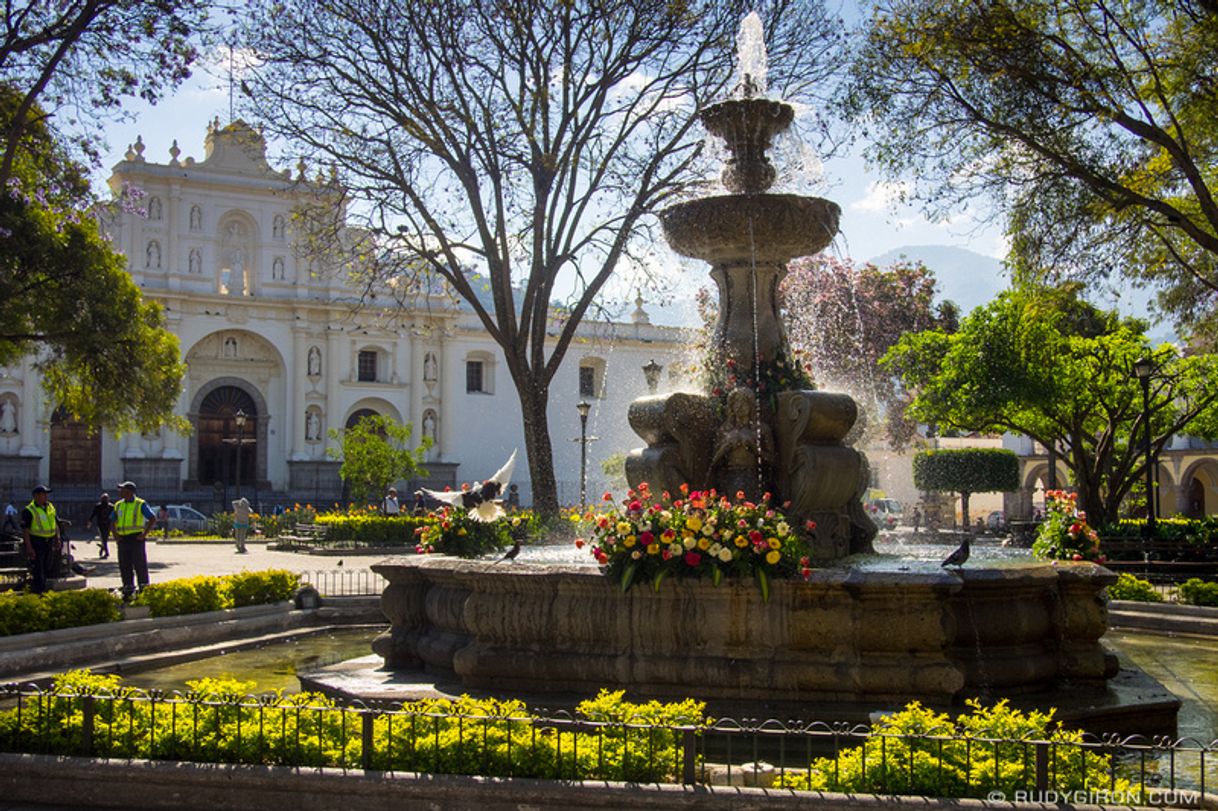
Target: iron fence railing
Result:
[[344, 582], [505, 740]]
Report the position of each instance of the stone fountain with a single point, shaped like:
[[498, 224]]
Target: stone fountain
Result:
[[759, 428], [854, 637]]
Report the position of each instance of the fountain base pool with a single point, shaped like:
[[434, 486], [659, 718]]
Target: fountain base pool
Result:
[[844, 643]]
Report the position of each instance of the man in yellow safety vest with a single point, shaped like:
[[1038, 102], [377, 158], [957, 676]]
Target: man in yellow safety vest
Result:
[[41, 530], [132, 521]]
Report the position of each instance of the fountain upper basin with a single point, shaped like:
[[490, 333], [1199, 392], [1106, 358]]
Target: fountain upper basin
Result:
[[767, 228]]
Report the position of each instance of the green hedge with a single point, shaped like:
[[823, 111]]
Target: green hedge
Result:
[[194, 595], [27, 613], [370, 528], [1196, 591], [1128, 587], [966, 470]]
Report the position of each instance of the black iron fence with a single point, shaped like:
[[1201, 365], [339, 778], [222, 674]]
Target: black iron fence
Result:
[[344, 582], [504, 739]]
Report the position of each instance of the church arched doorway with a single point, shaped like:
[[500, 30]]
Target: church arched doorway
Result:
[[224, 447], [75, 453]]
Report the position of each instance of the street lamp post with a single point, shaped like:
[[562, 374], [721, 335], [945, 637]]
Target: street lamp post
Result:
[[1142, 370], [240, 442], [651, 372], [583, 407]]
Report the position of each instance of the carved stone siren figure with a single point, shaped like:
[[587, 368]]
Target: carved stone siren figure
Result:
[[314, 361], [738, 453], [8, 417]]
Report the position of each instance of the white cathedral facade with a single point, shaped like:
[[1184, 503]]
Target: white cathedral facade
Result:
[[266, 334]]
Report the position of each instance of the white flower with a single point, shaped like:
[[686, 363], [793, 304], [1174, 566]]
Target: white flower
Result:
[[708, 530], [715, 549], [636, 554], [725, 554], [690, 543], [727, 534], [783, 528], [760, 523]]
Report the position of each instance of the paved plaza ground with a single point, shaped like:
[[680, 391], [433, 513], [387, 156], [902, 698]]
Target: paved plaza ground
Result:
[[168, 561]]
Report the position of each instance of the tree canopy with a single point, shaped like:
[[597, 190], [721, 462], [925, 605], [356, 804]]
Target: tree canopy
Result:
[[75, 60], [1042, 362], [846, 316], [523, 144], [1092, 126], [67, 299], [966, 471], [376, 453]]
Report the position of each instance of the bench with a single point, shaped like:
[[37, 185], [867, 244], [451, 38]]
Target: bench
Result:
[[302, 536]]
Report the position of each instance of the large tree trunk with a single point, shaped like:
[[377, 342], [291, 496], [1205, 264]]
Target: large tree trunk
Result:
[[968, 528], [533, 402]]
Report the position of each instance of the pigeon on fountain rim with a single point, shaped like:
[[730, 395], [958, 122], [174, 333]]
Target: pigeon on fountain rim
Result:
[[960, 556]]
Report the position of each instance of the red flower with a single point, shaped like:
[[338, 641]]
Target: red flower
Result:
[[635, 507], [1077, 556], [755, 536], [692, 558], [669, 534], [646, 538], [684, 489], [579, 543], [666, 554], [809, 525], [740, 495], [607, 497]]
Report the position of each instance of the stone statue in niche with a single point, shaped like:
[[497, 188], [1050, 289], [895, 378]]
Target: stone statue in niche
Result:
[[744, 447], [429, 368], [195, 263], [278, 227], [230, 347], [277, 268], [429, 426], [152, 255], [312, 426], [8, 417], [196, 218], [154, 208], [314, 361]]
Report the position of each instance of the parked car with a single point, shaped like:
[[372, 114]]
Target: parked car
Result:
[[886, 512], [186, 519]]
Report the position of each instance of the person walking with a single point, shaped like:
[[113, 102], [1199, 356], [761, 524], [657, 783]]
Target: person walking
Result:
[[40, 528], [389, 505], [241, 522], [100, 518], [12, 519], [917, 519], [132, 519]]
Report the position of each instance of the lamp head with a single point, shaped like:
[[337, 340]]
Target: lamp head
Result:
[[240, 418], [652, 374], [583, 407], [1143, 368]]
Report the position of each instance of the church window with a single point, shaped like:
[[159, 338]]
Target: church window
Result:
[[366, 366]]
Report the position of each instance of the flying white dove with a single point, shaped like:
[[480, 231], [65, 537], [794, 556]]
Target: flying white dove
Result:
[[481, 501]]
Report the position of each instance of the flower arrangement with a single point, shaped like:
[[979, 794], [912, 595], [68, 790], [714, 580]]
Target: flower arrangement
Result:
[[1065, 534], [451, 531], [697, 534], [788, 371]]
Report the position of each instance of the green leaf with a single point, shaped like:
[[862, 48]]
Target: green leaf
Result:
[[628, 576], [658, 579], [763, 581]]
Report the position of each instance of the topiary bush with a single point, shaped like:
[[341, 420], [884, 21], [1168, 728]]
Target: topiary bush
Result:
[[29, 613], [1196, 591], [261, 588], [1128, 587]]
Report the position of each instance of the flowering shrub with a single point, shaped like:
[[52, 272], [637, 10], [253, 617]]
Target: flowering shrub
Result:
[[1064, 534], [699, 534], [451, 531]]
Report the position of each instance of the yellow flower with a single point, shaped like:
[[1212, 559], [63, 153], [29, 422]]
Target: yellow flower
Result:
[[774, 543], [703, 543], [742, 541], [694, 523], [629, 542], [772, 556], [462, 532], [653, 549], [623, 527]]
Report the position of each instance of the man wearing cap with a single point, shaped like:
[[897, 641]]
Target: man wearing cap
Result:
[[41, 531], [133, 520]]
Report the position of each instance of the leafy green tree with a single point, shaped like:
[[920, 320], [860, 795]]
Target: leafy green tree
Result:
[[66, 297], [1044, 363], [1093, 126], [76, 60], [515, 151], [966, 471], [376, 453]]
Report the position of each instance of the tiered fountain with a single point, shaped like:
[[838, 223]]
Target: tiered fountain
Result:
[[856, 636]]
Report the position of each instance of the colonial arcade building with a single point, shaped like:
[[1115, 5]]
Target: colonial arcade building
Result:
[[278, 351]]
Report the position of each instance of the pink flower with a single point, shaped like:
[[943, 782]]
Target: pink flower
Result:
[[809, 525]]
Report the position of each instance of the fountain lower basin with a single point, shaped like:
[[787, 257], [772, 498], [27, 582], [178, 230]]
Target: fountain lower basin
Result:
[[857, 639]]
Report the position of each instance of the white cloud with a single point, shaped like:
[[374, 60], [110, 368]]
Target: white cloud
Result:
[[882, 195]]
